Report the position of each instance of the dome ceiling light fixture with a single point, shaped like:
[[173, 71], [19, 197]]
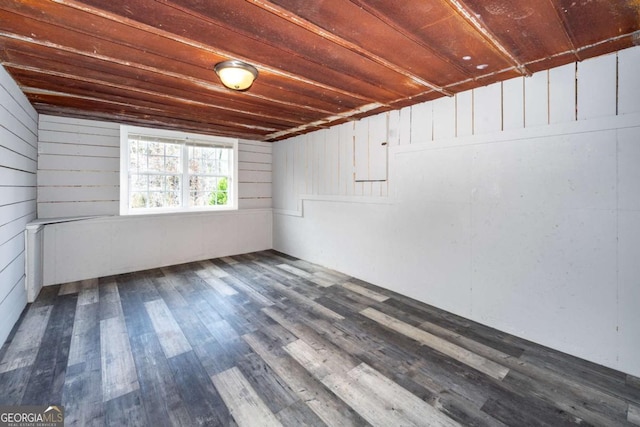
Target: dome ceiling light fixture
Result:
[[236, 75]]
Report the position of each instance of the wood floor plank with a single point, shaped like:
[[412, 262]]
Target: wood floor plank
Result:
[[633, 382], [169, 293], [158, 391], [82, 393], [480, 363], [204, 403], [132, 305], [294, 270], [171, 337], [262, 278], [142, 282], [212, 270], [85, 339], [633, 414], [70, 288], [301, 300], [291, 322], [125, 410], [325, 405], [47, 377], [365, 292], [299, 414], [13, 385], [243, 402], [88, 292], [220, 285], [277, 272], [109, 300], [582, 372], [270, 387], [471, 345], [398, 306], [23, 349], [577, 401], [249, 290], [119, 376], [320, 362]]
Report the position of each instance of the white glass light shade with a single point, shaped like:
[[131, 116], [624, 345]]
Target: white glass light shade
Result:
[[236, 75]]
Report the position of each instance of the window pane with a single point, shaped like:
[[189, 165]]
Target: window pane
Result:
[[208, 191], [172, 164], [209, 160], [139, 182], [156, 182], [138, 200], [172, 199]]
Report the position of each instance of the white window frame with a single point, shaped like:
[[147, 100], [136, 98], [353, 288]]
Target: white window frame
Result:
[[126, 130]]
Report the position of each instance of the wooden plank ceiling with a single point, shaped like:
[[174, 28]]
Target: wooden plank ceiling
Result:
[[150, 62]]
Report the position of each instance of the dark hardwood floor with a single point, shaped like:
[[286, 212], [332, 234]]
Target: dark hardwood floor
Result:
[[266, 339]]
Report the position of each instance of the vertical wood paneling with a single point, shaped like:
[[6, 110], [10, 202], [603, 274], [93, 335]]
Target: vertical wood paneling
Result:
[[405, 126], [361, 149], [628, 72], [18, 165], [562, 94], [349, 152], [308, 172], [333, 160], [464, 113], [290, 181], [346, 159], [421, 124], [597, 87], [444, 118], [536, 99], [300, 168], [393, 121], [279, 156], [513, 104], [378, 140], [317, 160], [487, 109]]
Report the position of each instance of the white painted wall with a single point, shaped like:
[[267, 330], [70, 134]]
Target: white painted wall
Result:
[[18, 163], [516, 205], [78, 175]]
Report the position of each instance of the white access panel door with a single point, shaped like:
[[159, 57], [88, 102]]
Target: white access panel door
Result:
[[370, 149]]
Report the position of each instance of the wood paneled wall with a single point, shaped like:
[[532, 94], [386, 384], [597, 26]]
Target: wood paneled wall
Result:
[[18, 157], [78, 167], [329, 162], [254, 174], [79, 164]]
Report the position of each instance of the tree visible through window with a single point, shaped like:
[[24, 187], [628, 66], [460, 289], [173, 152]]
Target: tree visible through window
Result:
[[173, 173]]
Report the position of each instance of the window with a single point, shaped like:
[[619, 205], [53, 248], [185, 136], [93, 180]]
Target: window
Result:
[[167, 171]]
